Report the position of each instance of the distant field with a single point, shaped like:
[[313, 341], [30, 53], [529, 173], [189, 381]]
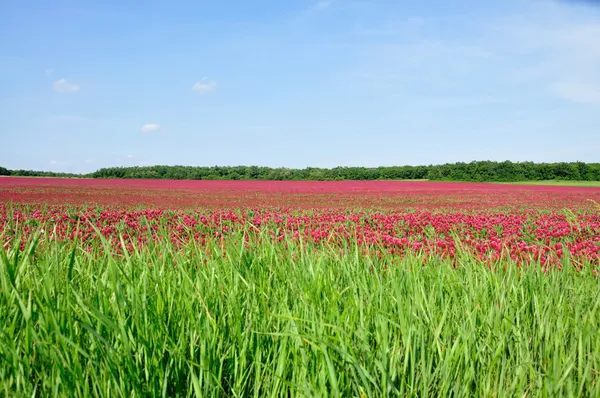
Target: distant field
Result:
[[557, 183], [187, 194]]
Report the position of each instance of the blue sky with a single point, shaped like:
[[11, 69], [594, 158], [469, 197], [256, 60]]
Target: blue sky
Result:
[[297, 83]]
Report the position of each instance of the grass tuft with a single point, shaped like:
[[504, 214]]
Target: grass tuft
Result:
[[256, 320]]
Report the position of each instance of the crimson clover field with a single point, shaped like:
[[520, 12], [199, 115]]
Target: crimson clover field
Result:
[[297, 288]]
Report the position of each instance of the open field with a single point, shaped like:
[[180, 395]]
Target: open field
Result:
[[262, 288]]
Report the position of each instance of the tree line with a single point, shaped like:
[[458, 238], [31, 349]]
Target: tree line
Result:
[[35, 173], [476, 171]]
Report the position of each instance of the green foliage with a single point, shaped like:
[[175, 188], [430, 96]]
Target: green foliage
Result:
[[267, 320], [34, 173], [476, 171], [473, 171]]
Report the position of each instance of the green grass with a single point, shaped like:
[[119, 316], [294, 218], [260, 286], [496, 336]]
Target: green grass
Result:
[[557, 183], [266, 321]]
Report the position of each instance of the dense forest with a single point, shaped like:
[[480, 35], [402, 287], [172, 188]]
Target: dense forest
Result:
[[473, 171]]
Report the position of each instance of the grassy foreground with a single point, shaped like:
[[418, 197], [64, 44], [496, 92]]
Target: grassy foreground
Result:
[[264, 321]]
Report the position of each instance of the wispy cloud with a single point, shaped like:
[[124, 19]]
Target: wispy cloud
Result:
[[461, 101], [321, 5], [545, 49], [67, 118], [583, 2], [59, 163], [578, 92], [63, 86], [409, 27], [567, 54], [49, 71], [150, 128], [135, 160], [205, 86]]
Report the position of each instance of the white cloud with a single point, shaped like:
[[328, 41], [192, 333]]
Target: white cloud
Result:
[[205, 86], [63, 86], [150, 128], [130, 156]]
